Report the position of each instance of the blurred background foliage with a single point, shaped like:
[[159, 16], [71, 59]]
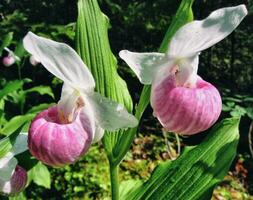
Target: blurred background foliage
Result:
[[136, 25]]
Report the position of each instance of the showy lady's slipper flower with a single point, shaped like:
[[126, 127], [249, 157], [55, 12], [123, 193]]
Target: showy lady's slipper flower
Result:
[[13, 178], [8, 60], [182, 101], [16, 184], [63, 133]]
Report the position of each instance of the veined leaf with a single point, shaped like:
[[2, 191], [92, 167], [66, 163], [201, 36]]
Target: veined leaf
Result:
[[195, 173], [93, 46]]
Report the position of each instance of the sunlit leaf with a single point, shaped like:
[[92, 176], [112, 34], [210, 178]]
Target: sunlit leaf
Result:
[[40, 175], [14, 123], [10, 87], [195, 173], [42, 90], [38, 108]]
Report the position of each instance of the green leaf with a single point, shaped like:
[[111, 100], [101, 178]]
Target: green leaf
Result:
[[195, 173], [6, 41], [42, 90], [19, 196], [40, 107], [250, 112], [128, 186], [19, 50], [15, 123], [10, 87], [93, 46], [7, 143], [40, 175]]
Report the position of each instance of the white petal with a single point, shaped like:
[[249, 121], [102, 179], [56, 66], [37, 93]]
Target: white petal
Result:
[[61, 60], [68, 102], [170, 67], [187, 74], [199, 35], [110, 115], [71, 101], [7, 165], [144, 65], [99, 133]]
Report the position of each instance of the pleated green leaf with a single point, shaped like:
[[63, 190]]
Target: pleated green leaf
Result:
[[195, 173], [93, 46]]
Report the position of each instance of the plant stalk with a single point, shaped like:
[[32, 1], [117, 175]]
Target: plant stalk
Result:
[[114, 176]]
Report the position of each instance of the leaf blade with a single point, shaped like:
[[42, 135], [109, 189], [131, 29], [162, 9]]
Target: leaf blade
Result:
[[197, 170]]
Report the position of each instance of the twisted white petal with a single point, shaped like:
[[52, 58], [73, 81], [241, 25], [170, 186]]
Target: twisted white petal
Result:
[[61, 60], [144, 65], [199, 35], [110, 115]]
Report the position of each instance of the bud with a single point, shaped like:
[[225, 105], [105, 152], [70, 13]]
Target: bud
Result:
[[57, 142], [184, 110], [8, 60], [16, 184]]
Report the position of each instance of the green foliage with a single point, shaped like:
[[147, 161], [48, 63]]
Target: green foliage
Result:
[[6, 41], [7, 143], [238, 105], [40, 175], [195, 173], [14, 123]]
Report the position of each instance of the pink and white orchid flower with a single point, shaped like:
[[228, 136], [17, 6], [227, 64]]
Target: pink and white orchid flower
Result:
[[13, 178], [182, 101], [63, 133], [16, 184], [8, 60]]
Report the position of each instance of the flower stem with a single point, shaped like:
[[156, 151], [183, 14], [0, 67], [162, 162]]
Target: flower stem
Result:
[[114, 182]]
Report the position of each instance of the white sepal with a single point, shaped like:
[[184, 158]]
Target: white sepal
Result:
[[8, 162], [99, 133], [110, 115], [7, 166], [72, 101], [144, 65], [60, 60], [187, 74], [20, 144], [199, 35]]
